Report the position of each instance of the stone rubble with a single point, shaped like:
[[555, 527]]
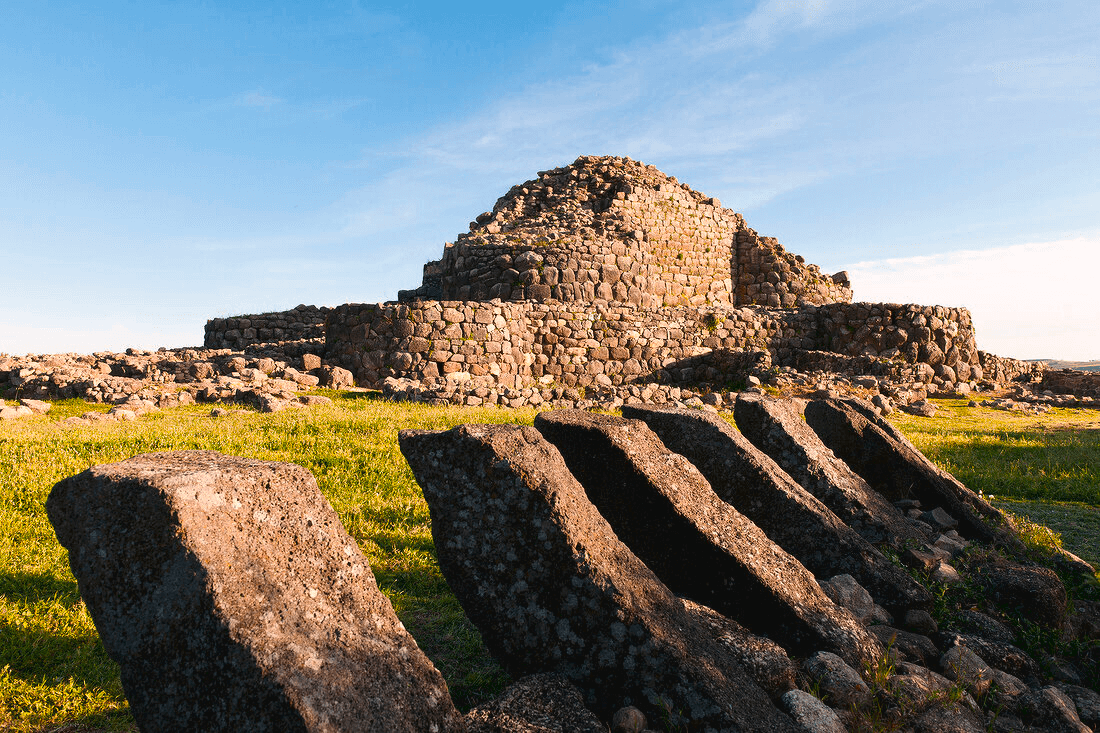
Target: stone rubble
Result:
[[138, 381]]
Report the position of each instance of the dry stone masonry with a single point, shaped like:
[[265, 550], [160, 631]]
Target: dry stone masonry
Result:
[[303, 323], [614, 229], [607, 281]]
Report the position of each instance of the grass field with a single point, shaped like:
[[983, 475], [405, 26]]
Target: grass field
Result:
[[54, 670]]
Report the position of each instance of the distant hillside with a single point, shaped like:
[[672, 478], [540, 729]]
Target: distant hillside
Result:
[[1081, 366]]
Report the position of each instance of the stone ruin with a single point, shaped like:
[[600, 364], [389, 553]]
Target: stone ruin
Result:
[[606, 282], [660, 567], [614, 229], [601, 283]]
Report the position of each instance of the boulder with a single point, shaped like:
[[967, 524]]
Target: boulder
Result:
[[1053, 710], [744, 477], [776, 427], [539, 703], [700, 546], [894, 468], [1037, 592], [916, 647], [812, 714], [233, 600], [967, 669], [1004, 656], [840, 685], [552, 589]]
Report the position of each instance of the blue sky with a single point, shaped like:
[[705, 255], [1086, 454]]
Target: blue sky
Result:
[[161, 164]]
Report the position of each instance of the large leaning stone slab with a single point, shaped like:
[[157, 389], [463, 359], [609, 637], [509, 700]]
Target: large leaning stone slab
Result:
[[700, 546], [744, 477], [992, 514], [552, 589], [897, 470], [233, 600], [777, 428]]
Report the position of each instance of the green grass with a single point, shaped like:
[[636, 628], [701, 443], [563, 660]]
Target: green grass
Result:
[[1043, 467], [53, 670]]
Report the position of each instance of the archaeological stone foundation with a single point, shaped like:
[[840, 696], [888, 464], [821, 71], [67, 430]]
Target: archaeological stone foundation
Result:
[[607, 273]]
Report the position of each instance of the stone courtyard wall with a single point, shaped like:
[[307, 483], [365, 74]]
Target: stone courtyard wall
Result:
[[517, 344], [297, 324], [1071, 381]]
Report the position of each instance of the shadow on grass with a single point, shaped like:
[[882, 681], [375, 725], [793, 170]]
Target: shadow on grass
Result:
[[1031, 465], [37, 587]]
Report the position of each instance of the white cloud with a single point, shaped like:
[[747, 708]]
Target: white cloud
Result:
[[1028, 301], [259, 99]]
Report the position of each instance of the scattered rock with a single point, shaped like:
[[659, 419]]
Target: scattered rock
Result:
[[1036, 592], [812, 714], [538, 703], [968, 669], [1052, 709], [840, 685], [916, 647], [628, 720]]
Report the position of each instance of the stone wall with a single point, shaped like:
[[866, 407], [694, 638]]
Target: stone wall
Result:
[[237, 332], [617, 230], [1002, 369], [517, 344], [1071, 381]]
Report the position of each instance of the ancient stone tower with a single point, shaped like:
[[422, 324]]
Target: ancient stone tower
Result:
[[613, 229]]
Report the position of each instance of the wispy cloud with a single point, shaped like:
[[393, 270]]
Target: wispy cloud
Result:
[[258, 99], [1029, 301]]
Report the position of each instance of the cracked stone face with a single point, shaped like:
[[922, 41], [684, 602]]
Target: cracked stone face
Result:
[[233, 600]]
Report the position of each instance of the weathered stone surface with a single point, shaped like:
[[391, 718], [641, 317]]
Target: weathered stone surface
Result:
[[552, 589], [776, 427], [628, 720], [839, 683], [233, 600], [812, 714], [336, 377], [1052, 710], [999, 654], [539, 703], [1085, 700], [750, 481], [952, 718], [983, 625], [916, 647], [899, 471], [968, 669], [765, 661], [1036, 592], [700, 546]]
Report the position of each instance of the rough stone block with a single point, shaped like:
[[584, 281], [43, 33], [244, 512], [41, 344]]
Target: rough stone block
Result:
[[896, 469], [552, 589], [700, 546], [750, 481], [233, 600], [776, 427]]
